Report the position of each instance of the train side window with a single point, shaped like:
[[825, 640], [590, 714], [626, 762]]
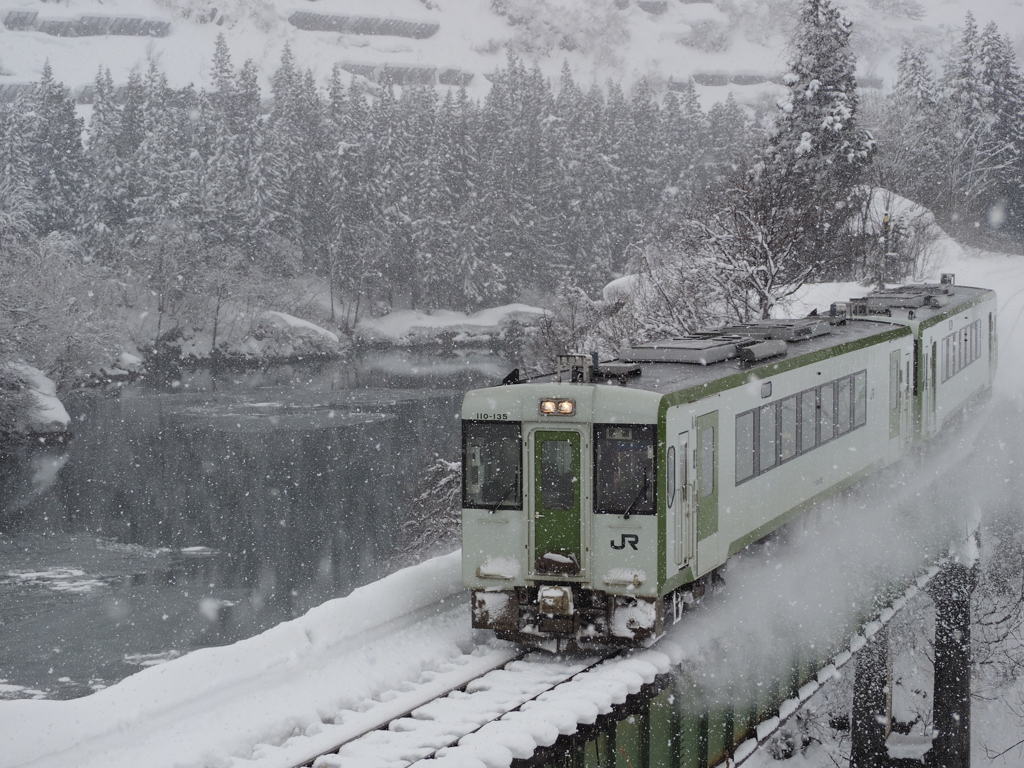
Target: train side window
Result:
[[827, 412], [707, 461], [491, 465], [670, 484], [844, 405], [766, 448], [808, 420], [787, 428], [860, 399], [744, 446]]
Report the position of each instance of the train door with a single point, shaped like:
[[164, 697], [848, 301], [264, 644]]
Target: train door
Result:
[[555, 502], [706, 490], [680, 516], [895, 413]]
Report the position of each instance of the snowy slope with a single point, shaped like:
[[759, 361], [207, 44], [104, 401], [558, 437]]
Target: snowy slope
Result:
[[727, 45]]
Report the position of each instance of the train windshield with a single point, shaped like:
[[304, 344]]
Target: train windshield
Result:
[[624, 478], [492, 458]]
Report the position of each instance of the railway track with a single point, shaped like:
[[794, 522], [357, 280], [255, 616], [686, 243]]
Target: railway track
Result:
[[427, 731], [357, 719]]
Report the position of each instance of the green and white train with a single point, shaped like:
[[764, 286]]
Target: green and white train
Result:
[[599, 502]]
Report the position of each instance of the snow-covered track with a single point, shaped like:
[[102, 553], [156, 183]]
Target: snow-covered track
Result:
[[308, 744], [357, 725], [429, 730]]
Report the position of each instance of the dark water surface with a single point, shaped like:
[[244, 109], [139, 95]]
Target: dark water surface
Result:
[[203, 510]]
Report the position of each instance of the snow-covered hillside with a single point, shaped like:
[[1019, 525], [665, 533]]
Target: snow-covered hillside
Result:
[[726, 46]]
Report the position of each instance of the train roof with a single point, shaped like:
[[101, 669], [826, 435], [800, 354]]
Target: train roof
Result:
[[762, 348], [666, 375]]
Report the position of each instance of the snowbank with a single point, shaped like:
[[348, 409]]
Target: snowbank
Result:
[[222, 701]]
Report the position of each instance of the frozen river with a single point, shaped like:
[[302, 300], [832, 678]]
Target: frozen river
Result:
[[209, 508]]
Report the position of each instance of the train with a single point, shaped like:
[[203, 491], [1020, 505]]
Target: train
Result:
[[601, 501]]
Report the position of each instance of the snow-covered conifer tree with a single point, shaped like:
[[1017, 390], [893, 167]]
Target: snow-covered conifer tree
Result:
[[914, 80], [54, 135], [682, 142], [18, 203], [816, 149], [1004, 87], [730, 139], [105, 207], [981, 92]]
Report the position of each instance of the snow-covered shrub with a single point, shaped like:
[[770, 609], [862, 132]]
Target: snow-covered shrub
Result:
[[667, 293], [997, 607], [672, 293], [14, 401], [55, 309], [433, 518], [571, 326]]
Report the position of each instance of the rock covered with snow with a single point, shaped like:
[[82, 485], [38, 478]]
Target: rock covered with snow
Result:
[[273, 337], [278, 335], [415, 328], [47, 416]]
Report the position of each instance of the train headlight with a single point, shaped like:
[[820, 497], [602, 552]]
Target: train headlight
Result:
[[557, 407]]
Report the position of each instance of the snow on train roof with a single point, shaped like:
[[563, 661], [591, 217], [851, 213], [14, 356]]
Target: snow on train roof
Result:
[[664, 377], [675, 364]]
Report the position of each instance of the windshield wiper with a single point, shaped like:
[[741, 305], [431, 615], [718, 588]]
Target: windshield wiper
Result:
[[505, 497], [640, 495]]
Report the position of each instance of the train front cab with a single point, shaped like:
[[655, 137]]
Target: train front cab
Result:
[[560, 524]]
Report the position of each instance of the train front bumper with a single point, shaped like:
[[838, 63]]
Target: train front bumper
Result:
[[535, 614]]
